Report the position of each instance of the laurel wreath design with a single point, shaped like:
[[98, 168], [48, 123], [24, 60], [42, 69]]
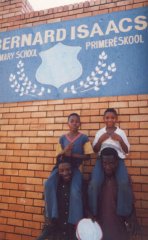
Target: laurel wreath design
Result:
[[22, 85], [98, 77]]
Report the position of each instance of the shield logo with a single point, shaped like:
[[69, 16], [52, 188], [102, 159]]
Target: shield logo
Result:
[[60, 65]]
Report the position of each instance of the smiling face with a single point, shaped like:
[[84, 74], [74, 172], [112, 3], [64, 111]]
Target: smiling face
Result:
[[65, 171], [74, 123], [110, 119]]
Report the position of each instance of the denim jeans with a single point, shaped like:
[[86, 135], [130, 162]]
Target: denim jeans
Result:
[[124, 196], [75, 205]]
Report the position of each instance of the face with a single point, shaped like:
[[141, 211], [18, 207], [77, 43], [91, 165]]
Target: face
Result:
[[109, 164], [110, 119], [74, 123], [65, 171]]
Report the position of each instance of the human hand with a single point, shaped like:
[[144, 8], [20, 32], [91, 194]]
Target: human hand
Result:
[[132, 225], [104, 137], [91, 216], [68, 149], [116, 137]]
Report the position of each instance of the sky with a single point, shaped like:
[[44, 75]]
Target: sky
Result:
[[46, 4]]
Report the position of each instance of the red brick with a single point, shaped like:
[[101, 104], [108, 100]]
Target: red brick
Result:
[[21, 230], [7, 228], [144, 140], [19, 165], [36, 154], [13, 159], [133, 140], [4, 206], [143, 124], [39, 203], [32, 209], [46, 120], [138, 147], [2, 235], [15, 222], [37, 140], [4, 178], [33, 225], [38, 217], [33, 181], [17, 193], [10, 236], [136, 187], [33, 195], [144, 171], [4, 165], [17, 208], [38, 114], [140, 179], [138, 104], [138, 132], [8, 199], [24, 201], [129, 125], [16, 109], [124, 2], [134, 171], [109, 5], [128, 111], [140, 163], [143, 97], [3, 220], [18, 179], [26, 173]]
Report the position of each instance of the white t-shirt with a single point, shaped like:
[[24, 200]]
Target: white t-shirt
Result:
[[112, 143]]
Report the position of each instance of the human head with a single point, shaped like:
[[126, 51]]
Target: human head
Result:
[[110, 117], [74, 121], [74, 114], [109, 160], [64, 168], [112, 110]]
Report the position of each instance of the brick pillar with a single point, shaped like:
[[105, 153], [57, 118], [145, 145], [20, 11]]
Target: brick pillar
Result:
[[10, 8]]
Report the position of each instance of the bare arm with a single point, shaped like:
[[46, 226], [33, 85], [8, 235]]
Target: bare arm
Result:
[[116, 137], [66, 151], [81, 156], [97, 146]]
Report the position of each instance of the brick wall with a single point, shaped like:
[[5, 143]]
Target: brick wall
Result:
[[29, 131], [11, 8]]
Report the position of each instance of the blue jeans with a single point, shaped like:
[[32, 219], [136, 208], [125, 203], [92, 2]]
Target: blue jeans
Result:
[[124, 196], [75, 205]]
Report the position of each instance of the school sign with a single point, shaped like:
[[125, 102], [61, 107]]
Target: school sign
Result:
[[104, 55]]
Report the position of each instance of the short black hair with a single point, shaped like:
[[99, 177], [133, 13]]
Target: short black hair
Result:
[[74, 114], [112, 110], [63, 159], [108, 152]]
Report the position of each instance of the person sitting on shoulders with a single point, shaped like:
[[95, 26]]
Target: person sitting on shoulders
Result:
[[77, 146], [114, 137]]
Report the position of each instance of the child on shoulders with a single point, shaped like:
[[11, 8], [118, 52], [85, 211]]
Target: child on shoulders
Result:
[[77, 146], [114, 137]]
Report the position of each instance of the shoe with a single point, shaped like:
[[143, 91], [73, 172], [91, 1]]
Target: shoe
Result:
[[49, 228], [45, 233]]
